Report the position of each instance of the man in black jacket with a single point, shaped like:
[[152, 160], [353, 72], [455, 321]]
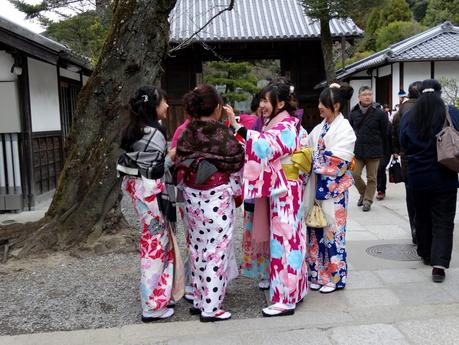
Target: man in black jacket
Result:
[[370, 125]]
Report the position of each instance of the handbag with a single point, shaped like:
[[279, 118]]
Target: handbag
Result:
[[448, 145], [316, 217], [395, 171]]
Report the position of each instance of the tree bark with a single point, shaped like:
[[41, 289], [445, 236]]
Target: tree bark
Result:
[[86, 203], [327, 47]]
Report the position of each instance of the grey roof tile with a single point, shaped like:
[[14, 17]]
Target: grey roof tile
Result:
[[438, 43], [250, 20]]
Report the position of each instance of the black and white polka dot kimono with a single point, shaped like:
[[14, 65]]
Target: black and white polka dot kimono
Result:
[[209, 215]]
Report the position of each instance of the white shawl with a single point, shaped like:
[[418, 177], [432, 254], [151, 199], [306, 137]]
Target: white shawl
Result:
[[339, 140]]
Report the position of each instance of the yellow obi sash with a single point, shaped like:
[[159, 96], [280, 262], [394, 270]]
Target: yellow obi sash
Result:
[[301, 161]]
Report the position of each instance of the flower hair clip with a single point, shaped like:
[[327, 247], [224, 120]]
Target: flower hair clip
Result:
[[428, 90], [144, 98], [334, 86], [292, 89]]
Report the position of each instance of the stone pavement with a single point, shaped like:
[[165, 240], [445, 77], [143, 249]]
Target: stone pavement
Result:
[[385, 301]]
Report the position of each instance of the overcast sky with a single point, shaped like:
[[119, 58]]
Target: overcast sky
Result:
[[8, 11]]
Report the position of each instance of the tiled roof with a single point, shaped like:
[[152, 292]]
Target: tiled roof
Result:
[[43, 42], [250, 20], [438, 43]]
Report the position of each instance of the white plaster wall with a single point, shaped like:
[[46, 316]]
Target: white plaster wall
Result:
[[10, 116], [385, 70], [414, 71], [44, 96], [448, 69], [69, 74], [6, 61], [396, 84]]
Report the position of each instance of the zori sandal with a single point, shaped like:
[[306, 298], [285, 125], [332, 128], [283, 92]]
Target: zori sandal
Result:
[[157, 315], [220, 315], [278, 309]]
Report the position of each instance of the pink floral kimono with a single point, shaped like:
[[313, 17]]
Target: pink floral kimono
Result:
[[156, 252], [278, 206]]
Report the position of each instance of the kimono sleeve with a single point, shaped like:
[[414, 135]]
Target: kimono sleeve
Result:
[[272, 144], [329, 165]]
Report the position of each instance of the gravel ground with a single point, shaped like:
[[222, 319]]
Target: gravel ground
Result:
[[61, 292]]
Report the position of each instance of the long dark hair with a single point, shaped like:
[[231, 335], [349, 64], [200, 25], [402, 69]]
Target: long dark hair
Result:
[[142, 113], [279, 91], [429, 112], [202, 101], [340, 93]]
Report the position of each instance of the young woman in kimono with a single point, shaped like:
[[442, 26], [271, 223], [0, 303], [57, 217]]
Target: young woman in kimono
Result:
[[209, 160], [333, 143], [255, 257], [144, 165], [274, 182]]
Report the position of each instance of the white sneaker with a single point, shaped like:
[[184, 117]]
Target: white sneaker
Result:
[[157, 315], [263, 284]]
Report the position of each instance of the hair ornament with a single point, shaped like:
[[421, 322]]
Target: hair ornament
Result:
[[292, 89], [428, 90], [144, 98], [334, 86]]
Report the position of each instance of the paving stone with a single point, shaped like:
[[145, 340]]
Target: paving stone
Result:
[[377, 334], [366, 298], [443, 331]]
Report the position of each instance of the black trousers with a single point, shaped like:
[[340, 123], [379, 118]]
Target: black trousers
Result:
[[411, 211], [435, 224], [381, 177]]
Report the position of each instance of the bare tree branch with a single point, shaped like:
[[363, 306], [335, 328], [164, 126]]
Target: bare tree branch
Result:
[[189, 39]]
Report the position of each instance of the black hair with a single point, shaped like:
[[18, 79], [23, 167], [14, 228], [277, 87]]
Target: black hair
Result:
[[414, 90], [280, 91], [255, 104], [332, 95], [142, 113], [202, 101], [429, 111]]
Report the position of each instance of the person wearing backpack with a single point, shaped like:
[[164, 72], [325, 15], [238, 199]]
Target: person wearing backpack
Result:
[[433, 185]]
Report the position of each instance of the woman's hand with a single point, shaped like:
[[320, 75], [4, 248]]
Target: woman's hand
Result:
[[171, 154], [231, 117]]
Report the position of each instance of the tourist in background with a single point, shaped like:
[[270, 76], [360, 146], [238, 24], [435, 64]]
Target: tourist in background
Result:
[[370, 125], [434, 186], [381, 178], [413, 95]]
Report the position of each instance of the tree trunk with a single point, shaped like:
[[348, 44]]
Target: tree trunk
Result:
[[327, 48], [86, 202]]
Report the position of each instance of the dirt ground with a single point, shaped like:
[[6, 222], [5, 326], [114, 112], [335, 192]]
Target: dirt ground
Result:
[[63, 292]]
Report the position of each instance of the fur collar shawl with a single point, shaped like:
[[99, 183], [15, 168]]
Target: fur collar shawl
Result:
[[211, 141]]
